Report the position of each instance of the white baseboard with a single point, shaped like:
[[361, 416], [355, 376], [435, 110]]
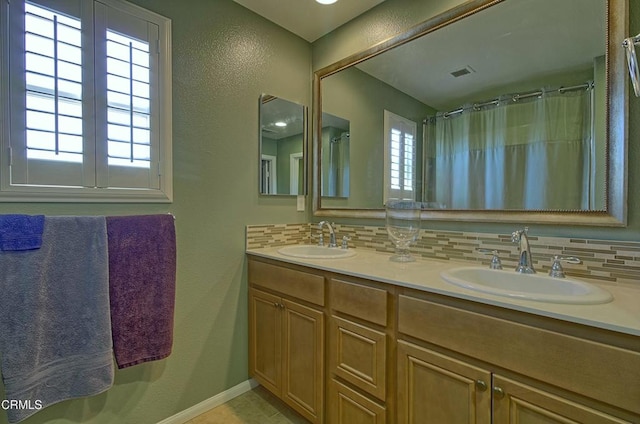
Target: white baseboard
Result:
[[207, 404]]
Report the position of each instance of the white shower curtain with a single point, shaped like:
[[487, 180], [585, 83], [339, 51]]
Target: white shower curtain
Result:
[[509, 156]]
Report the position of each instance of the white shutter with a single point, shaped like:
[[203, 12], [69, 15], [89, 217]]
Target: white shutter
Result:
[[128, 66], [399, 157], [48, 142]]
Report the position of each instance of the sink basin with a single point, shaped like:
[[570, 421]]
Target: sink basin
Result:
[[316, 252], [538, 287]]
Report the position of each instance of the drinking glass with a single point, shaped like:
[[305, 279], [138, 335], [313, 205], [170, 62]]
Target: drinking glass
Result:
[[403, 225]]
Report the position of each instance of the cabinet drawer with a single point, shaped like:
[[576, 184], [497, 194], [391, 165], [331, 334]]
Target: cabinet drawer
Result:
[[358, 355], [299, 284], [519, 400], [368, 303], [589, 368], [348, 407]]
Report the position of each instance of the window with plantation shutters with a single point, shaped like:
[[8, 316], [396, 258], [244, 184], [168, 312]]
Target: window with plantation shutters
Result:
[[399, 157], [87, 112]]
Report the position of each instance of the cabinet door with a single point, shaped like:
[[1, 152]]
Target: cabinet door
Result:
[[349, 407], [517, 403], [265, 339], [436, 389], [303, 372]]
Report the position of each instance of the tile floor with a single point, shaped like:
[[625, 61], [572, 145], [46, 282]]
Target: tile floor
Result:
[[257, 406]]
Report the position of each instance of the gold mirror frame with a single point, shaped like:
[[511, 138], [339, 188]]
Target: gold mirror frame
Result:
[[615, 214]]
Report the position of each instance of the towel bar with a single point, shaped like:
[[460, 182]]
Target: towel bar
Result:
[[630, 47]]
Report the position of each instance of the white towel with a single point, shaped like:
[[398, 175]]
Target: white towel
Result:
[[55, 331]]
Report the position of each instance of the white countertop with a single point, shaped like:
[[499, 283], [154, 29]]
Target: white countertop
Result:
[[621, 315]]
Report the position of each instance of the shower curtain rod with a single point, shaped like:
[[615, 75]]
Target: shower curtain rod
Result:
[[336, 139], [514, 97]]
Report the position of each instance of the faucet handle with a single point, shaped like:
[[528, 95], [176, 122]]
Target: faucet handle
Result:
[[345, 242], [556, 270], [495, 260]]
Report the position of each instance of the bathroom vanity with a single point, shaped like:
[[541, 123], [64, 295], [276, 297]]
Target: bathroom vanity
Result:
[[363, 340]]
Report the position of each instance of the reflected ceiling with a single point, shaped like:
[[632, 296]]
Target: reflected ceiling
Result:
[[551, 36]]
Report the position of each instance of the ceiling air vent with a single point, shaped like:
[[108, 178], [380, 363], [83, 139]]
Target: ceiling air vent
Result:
[[464, 71]]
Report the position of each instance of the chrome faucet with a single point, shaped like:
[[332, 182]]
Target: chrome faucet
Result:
[[525, 264], [332, 234]]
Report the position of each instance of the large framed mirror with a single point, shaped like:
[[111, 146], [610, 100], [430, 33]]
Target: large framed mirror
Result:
[[282, 140], [496, 110]]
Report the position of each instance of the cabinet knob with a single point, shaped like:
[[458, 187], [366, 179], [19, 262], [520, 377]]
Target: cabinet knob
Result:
[[481, 385], [498, 392]]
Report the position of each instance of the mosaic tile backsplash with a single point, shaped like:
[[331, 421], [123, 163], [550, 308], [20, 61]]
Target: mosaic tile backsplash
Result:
[[610, 262]]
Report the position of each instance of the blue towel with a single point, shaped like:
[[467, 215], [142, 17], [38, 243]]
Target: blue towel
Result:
[[55, 337], [21, 232]]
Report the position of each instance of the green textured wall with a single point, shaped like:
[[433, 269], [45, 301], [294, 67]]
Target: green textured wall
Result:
[[224, 57], [394, 16]]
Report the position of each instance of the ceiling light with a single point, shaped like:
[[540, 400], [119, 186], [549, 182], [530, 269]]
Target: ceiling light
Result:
[[280, 124], [326, 1]]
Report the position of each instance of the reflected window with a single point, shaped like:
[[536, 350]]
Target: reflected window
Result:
[[400, 157]]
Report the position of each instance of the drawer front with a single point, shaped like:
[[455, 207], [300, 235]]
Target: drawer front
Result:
[[595, 370], [299, 284], [348, 407], [368, 303], [520, 400], [358, 355]]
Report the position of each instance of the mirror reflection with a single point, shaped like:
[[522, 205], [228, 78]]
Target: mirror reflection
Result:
[[282, 141], [335, 160], [502, 110]]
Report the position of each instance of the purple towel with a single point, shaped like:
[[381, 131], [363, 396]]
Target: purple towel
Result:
[[21, 232], [142, 276]]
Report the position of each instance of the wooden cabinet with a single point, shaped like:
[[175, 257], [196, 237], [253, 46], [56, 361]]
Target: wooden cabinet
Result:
[[358, 352], [435, 389], [574, 380], [518, 403], [398, 355], [358, 355], [265, 339], [350, 407], [286, 341]]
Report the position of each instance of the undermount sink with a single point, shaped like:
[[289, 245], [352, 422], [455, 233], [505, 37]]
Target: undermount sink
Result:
[[538, 287], [316, 252]]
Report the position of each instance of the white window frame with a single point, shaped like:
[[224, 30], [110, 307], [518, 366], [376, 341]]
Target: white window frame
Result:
[[158, 191], [269, 183], [405, 126], [295, 162]]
